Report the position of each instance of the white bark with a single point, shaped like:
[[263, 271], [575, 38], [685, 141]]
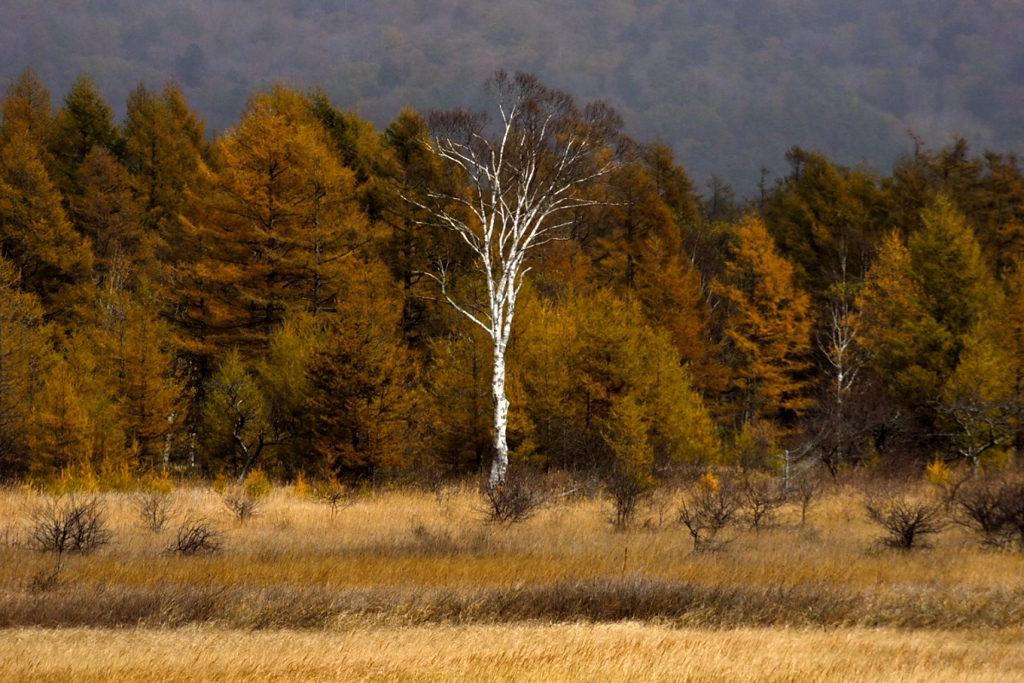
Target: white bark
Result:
[[499, 466], [525, 183]]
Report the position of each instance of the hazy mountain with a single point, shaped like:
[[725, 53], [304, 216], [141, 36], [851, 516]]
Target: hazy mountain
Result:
[[731, 84]]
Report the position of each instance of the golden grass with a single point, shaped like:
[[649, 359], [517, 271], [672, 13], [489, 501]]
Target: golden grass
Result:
[[406, 585], [407, 557], [550, 653]]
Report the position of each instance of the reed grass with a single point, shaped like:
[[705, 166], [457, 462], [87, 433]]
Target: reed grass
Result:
[[619, 652], [403, 558]]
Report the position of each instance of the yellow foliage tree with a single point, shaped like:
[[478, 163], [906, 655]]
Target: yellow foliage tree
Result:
[[921, 301], [35, 235], [26, 111], [768, 327], [25, 352], [365, 398], [138, 366], [977, 406], [271, 234], [60, 429], [588, 363]]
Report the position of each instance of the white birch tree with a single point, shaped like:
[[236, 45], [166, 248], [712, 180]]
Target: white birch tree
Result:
[[515, 185]]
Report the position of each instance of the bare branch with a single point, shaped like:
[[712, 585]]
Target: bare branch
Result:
[[517, 183]]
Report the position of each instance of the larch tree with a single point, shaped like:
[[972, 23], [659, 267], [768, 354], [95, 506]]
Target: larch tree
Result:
[[978, 406], [107, 214], [24, 349], [60, 430], [457, 378], [769, 327], [83, 122], [921, 300], [163, 147], [35, 234], [602, 392], [525, 182], [408, 166], [26, 110], [138, 370], [273, 230], [363, 380], [1013, 321], [825, 220]]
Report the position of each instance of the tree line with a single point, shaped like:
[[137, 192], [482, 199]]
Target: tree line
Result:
[[280, 296]]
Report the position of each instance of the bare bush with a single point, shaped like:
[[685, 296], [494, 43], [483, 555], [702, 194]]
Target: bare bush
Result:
[[155, 509], [906, 519], [241, 504], [195, 536], [707, 510], [951, 486], [67, 524], [1011, 501], [804, 490], [627, 492], [336, 496], [759, 498], [515, 500], [994, 509]]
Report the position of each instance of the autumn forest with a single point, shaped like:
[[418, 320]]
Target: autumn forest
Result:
[[269, 299]]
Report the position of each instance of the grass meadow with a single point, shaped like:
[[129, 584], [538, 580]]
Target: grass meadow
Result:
[[416, 585]]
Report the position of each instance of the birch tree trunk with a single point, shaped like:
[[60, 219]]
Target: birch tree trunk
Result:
[[499, 466], [511, 191]]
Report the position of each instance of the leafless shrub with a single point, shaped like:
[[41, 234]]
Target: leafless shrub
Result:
[[67, 524], [195, 536], [951, 487], [759, 498], [336, 496], [706, 511], [627, 492], [515, 500], [994, 510], [61, 525], [155, 509], [1012, 504], [804, 490], [242, 505], [906, 519]]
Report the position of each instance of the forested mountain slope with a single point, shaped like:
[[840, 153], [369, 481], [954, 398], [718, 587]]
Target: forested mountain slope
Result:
[[730, 84]]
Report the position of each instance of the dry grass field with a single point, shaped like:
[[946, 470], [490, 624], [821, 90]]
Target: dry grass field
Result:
[[409, 585], [544, 654]]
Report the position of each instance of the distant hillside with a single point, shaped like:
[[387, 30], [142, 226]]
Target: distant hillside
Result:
[[731, 84]]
